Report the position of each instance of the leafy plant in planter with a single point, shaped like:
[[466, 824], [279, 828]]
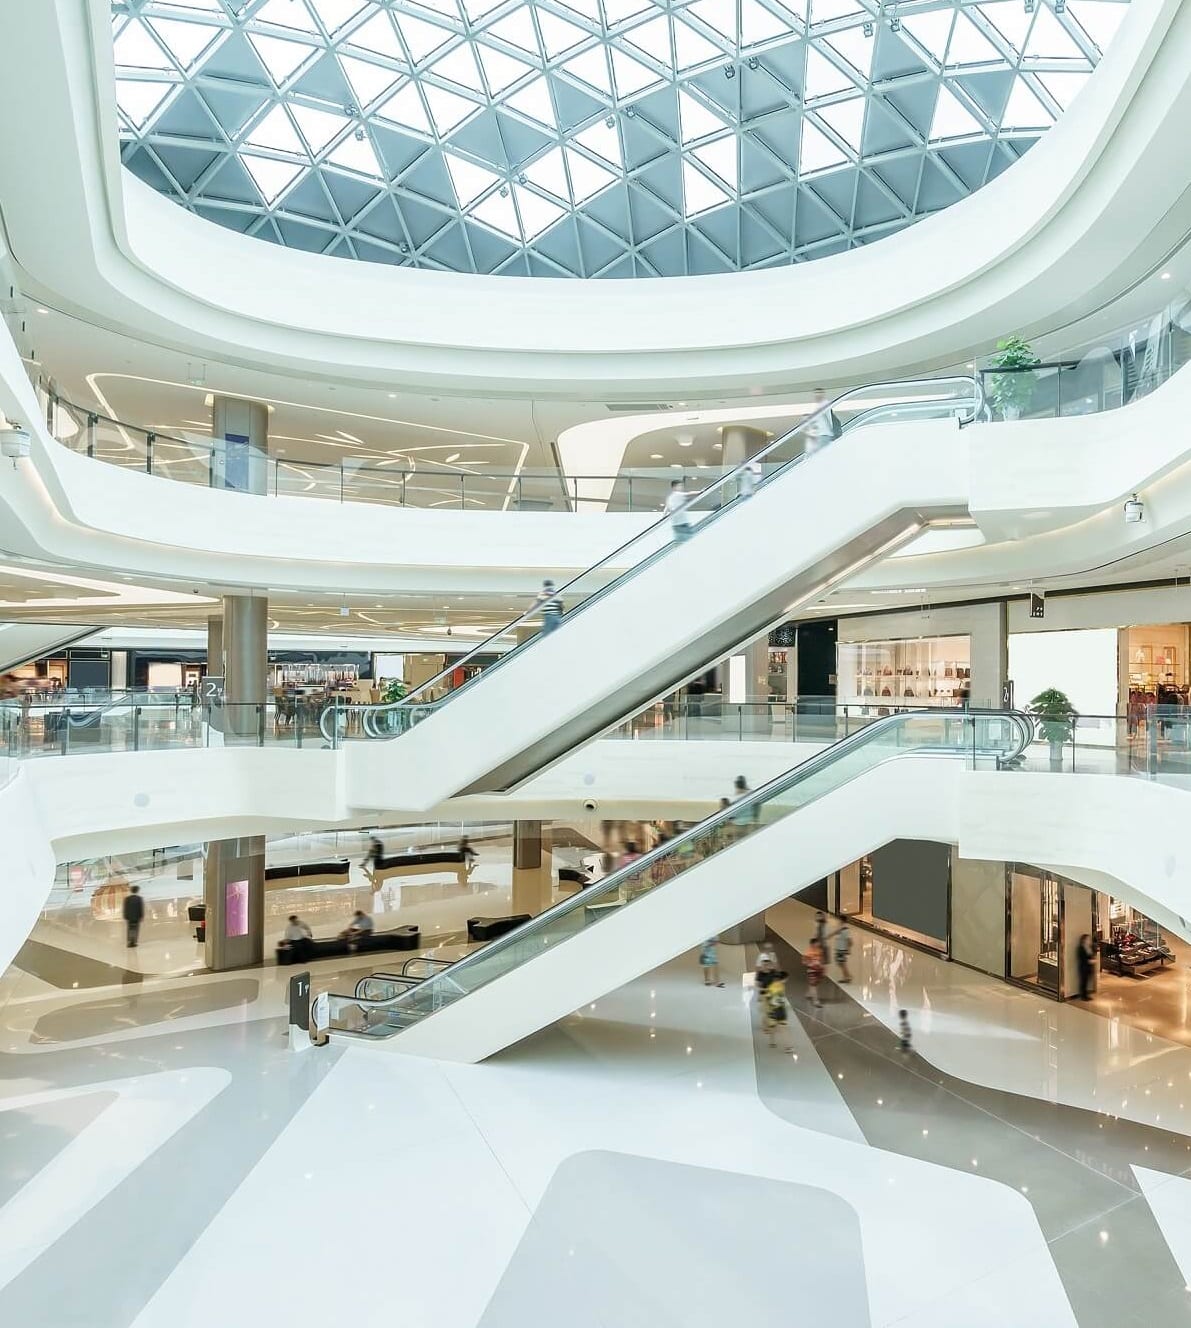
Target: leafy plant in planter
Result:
[[1055, 716], [1011, 393], [395, 690]]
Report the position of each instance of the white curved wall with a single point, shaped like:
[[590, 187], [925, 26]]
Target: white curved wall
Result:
[[1078, 221]]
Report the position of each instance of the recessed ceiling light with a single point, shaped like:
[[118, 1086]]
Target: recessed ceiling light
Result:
[[675, 466], [40, 310], [719, 447], [655, 456], [392, 396], [453, 457], [686, 442], [1165, 277]]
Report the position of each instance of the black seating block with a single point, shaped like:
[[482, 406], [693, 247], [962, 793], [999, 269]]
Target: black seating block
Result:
[[488, 929], [327, 947]]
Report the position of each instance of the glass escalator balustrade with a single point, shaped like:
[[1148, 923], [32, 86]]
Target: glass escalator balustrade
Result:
[[993, 738], [934, 398]]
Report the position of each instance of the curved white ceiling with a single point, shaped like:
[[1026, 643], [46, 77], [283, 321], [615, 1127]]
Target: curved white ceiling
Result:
[[1085, 215], [614, 139]]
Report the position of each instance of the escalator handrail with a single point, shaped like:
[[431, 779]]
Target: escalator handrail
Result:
[[610, 884], [330, 714], [385, 977]]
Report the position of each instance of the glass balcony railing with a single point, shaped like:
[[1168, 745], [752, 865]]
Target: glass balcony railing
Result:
[[990, 738], [935, 398]]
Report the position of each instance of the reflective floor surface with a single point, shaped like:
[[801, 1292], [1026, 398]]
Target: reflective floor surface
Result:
[[651, 1160]]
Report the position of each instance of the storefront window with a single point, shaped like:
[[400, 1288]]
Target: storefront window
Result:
[[1035, 929], [921, 671]]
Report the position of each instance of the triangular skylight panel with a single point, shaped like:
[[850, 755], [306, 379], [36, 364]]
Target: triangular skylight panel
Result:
[[855, 47], [588, 178], [1011, 20], [537, 213], [717, 14], [136, 49], [517, 30], [603, 139], [421, 38], [405, 108], [368, 81], [468, 179], [695, 119], [1063, 88], [591, 67], [758, 24], [185, 41], [280, 56], [1049, 40], [139, 99], [952, 119], [277, 132], [378, 37], [969, 46], [447, 110], [318, 128], [447, 8], [558, 36], [475, 9], [823, 11], [616, 11], [333, 14], [459, 66], [534, 101], [287, 14], [722, 159], [501, 71], [691, 48], [498, 211], [699, 193], [630, 75], [271, 177], [822, 77], [1024, 110], [356, 154], [846, 118], [549, 172], [653, 37], [817, 151], [931, 31]]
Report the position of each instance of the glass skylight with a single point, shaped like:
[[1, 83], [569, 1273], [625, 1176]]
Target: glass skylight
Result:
[[592, 137]]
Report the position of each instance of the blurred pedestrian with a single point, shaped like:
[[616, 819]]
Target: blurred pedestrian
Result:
[[1086, 958], [904, 1034], [709, 962], [841, 942], [821, 425], [676, 510], [549, 604], [134, 914], [813, 964], [750, 477], [777, 1009]]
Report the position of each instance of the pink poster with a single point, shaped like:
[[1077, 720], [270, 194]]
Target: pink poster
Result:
[[235, 908]]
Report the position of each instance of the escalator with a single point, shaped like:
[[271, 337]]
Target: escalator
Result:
[[631, 636], [734, 864]]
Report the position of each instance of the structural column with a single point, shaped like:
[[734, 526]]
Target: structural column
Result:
[[245, 653], [532, 867], [240, 433], [740, 443], [746, 690], [234, 894]]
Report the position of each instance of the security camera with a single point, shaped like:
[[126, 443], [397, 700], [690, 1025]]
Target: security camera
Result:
[[590, 805], [1135, 511]]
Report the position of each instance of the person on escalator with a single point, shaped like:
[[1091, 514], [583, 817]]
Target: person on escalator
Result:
[[676, 510], [750, 477], [822, 426], [549, 604]]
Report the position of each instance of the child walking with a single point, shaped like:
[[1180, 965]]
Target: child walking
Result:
[[777, 1010]]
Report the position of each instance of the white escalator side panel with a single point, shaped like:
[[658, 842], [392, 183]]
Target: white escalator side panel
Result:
[[26, 862], [820, 510], [911, 797]]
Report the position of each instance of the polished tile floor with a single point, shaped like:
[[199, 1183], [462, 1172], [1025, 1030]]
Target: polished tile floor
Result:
[[651, 1160]]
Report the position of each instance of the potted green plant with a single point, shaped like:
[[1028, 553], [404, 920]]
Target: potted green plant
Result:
[[1010, 393], [1055, 716], [395, 690]]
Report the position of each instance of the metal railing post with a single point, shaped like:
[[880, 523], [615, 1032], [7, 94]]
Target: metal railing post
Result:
[[136, 728], [260, 724], [92, 425], [150, 439]]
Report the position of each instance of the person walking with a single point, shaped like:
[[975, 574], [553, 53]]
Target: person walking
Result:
[[777, 1010], [1086, 958], [750, 477], [822, 426], [763, 975], [841, 939], [134, 915], [813, 963], [680, 518], [467, 853], [549, 604], [904, 1033], [821, 931], [709, 962]]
